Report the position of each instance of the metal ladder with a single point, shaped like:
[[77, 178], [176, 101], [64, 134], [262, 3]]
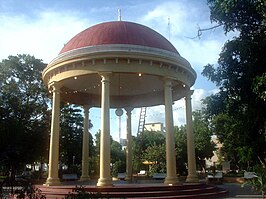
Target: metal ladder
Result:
[[139, 135], [142, 120]]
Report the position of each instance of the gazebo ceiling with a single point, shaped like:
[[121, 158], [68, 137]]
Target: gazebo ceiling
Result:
[[136, 58], [126, 90]]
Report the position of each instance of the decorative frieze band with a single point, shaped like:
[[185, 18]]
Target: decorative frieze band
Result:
[[92, 64]]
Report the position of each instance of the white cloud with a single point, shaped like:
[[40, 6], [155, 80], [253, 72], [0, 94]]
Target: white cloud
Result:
[[197, 52], [42, 37], [185, 19], [158, 17], [197, 96]]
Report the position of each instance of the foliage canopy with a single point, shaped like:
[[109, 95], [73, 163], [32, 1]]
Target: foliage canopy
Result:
[[24, 113], [237, 111]]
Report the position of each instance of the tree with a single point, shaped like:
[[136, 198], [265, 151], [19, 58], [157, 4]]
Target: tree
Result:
[[151, 147], [24, 113], [71, 136], [155, 155], [247, 17], [117, 154], [181, 149], [71, 130], [141, 143], [225, 127], [237, 111], [150, 138], [136, 159], [97, 142], [118, 158], [204, 146]]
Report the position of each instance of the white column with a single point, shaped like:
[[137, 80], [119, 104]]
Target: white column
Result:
[[53, 178], [85, 146], [192, 173], [129, 146], [105, 175], [171, 177]]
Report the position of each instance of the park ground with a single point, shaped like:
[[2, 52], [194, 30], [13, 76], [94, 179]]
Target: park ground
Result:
[[236, 191]]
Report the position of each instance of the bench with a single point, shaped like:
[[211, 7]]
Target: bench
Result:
[[142, 172], [25, 176], [215, 177], [249, 175], [159, 176], [121, 176], [71, 176]]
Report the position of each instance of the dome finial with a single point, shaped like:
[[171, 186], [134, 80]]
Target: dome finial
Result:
[[119, 15]]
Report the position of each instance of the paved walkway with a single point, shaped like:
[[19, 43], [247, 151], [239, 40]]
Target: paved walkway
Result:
[[236, 191]]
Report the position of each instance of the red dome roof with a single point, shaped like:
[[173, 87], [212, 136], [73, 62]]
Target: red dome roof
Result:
[[119, 32]]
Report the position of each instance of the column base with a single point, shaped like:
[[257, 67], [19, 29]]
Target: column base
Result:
[[84, 178], [192, 178], [103, 182], [171, 180], [52, 182]]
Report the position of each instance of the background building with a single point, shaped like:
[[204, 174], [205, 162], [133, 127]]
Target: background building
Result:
[[157, 126]]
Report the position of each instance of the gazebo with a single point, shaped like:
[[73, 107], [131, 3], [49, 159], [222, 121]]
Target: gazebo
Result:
[[125, 65]]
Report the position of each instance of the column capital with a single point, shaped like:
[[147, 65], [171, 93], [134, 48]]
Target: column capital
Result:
[[105, 76], [189, 93], [86, 107], [129, 109], [167, 81], [54, 87]]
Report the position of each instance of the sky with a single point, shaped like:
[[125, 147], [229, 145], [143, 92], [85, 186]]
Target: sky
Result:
[[42, 27]]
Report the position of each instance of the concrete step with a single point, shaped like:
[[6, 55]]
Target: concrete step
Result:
[[193, 191]]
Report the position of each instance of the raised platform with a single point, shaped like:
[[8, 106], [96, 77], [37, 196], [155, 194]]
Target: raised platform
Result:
[[148, 191]]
